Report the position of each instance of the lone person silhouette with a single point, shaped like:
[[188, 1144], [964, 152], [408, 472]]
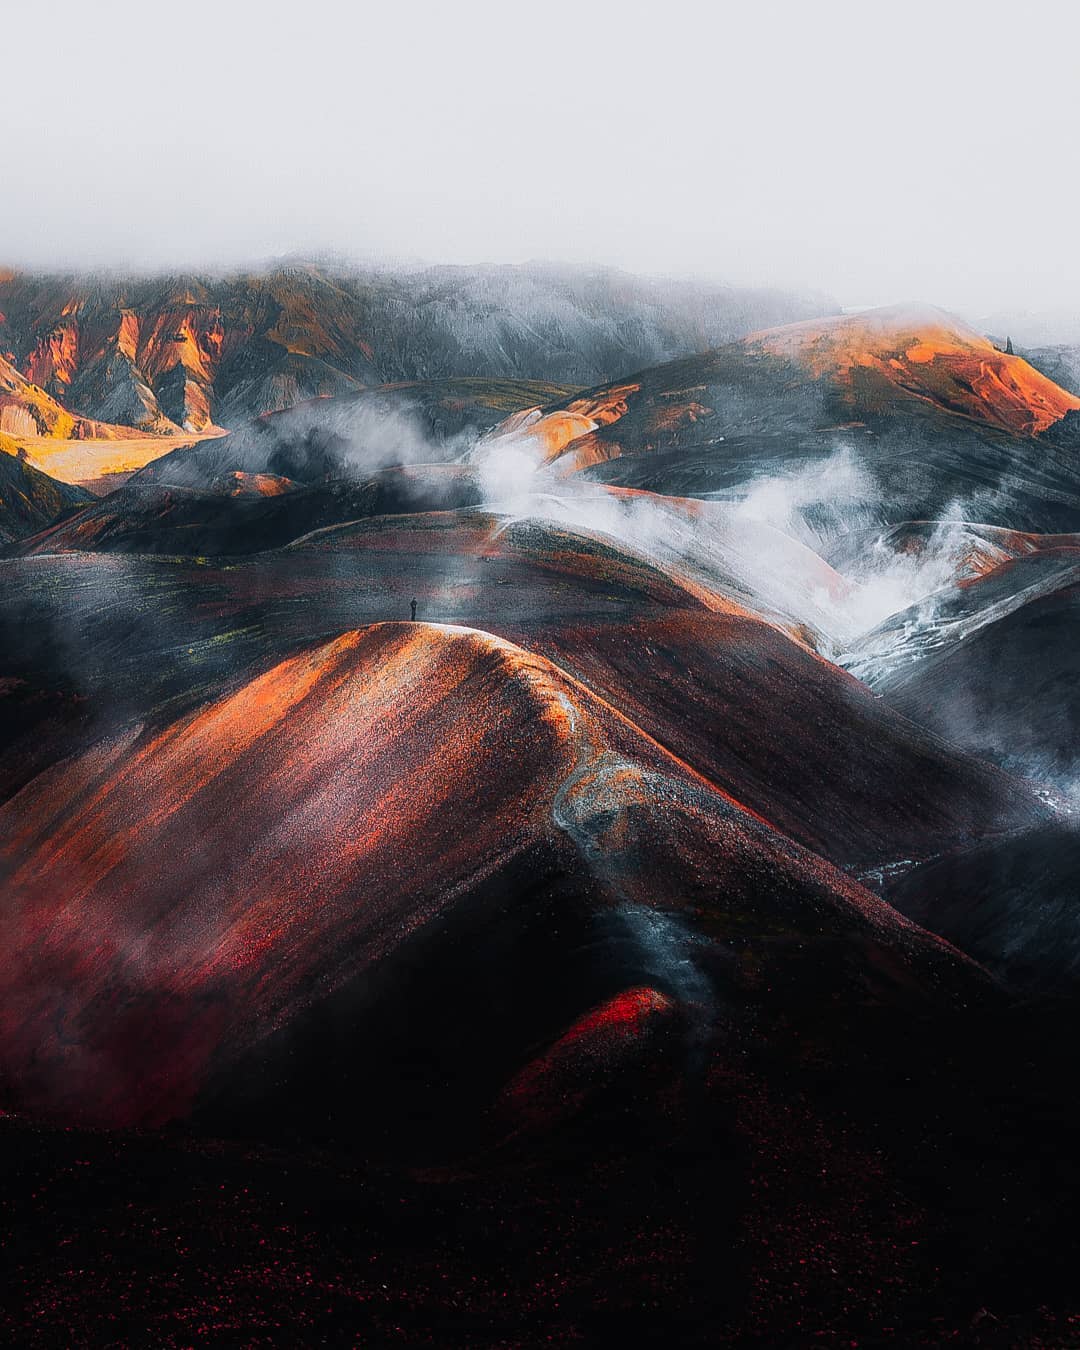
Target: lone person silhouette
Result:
[[413, 608]]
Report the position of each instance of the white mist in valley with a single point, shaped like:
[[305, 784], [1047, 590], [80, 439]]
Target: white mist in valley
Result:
[[761, 544]]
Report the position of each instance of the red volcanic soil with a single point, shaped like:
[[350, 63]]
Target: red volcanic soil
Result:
[[552, 433], [240, 484], [173, 899]]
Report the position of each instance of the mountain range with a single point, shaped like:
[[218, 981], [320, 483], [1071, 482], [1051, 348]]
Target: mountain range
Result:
[[186, 353]]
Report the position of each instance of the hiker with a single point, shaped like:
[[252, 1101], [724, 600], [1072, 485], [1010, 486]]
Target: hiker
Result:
[[413, 608]]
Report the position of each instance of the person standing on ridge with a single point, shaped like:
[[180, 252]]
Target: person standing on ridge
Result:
[[413, 608]]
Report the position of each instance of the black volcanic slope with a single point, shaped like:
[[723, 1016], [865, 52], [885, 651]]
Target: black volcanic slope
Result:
[[1012, 902], [30, 499], [244, 513], [936, 416], [992, 662]]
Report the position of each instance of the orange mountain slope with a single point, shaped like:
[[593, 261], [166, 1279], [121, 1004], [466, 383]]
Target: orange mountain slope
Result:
[[923, 352], [29, 499], [28, 412]]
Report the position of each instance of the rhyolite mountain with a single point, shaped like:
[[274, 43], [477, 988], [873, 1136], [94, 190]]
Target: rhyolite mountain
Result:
[[188, 352], [28, 411]]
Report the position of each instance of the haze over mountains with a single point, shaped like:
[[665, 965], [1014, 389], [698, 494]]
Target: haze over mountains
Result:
[[185, 353], [665, 889]]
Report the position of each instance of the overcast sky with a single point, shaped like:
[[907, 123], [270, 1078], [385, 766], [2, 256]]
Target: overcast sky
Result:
[[876, 152]]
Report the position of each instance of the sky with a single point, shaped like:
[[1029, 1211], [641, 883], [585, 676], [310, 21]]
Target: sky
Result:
[[923, 151]]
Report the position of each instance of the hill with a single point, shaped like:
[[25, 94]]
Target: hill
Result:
[[691, 665], [993, 666], [880, 359], [1010, 902], [415, 826], [27, 411]]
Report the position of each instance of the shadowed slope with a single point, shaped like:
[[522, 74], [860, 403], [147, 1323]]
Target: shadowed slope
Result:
[[1012, 903], [30, 499], [789, 735], [996, 668], [244, 512]]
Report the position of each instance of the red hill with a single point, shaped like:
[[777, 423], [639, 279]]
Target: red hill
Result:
[[174, 899]]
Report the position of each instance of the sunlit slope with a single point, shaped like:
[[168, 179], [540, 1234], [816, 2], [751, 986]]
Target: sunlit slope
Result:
[[29, 412], [880, 358]]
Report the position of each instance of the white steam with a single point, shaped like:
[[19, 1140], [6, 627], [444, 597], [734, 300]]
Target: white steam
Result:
[[757, 545]]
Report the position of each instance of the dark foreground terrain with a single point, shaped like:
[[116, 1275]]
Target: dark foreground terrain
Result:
[[918, 1204]]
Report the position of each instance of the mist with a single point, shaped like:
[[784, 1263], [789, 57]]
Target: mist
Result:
[[868, 155], [760, 544]]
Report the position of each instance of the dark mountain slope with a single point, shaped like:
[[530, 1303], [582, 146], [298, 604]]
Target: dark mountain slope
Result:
[[1013, 903], [414, 766], [29, 499]]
